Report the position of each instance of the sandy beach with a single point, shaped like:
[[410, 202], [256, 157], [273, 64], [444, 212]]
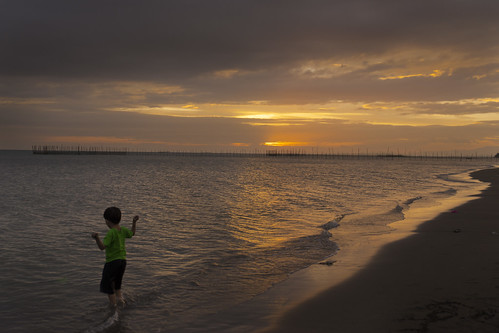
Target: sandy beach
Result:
[[443, 278]]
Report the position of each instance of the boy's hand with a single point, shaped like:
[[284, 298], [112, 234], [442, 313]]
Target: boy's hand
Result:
[[134, 226], [101, 245]]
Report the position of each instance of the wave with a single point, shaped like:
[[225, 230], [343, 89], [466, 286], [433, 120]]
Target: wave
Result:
[[398, 209], [110, 322], [335, 223], [381, 216], [460, 177], [412, 200], [298, 253], [449, 192]]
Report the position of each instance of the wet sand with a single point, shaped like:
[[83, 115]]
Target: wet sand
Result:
[[443, 278]]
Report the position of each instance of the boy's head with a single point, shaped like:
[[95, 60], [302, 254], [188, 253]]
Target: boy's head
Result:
[[113, 215]]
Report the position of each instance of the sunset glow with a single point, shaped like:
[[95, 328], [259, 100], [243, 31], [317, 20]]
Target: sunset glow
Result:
[[349, 77], [435, 73], [286, 144]]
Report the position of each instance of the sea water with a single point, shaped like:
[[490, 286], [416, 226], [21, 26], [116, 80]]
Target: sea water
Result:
[[214, 231]]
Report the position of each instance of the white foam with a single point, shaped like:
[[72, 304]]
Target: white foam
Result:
[[112, 320]]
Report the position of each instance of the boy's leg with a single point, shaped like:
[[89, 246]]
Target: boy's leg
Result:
[[112, 299], [107, 284], [117, 281], [119, 297], [112, 276]]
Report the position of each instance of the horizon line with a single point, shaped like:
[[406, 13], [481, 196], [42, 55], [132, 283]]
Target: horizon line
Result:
[[274, 152]]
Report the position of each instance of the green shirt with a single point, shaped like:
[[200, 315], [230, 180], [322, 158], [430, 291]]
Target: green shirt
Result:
[[115, 243]]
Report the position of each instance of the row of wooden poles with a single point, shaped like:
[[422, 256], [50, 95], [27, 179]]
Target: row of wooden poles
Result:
[[81, 150], [78, 150]]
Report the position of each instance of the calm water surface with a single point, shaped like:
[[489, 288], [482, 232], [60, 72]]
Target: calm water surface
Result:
[[214, 231]]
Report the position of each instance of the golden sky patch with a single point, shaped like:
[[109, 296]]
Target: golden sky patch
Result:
[[418, 113], [273, 124], [190, 106], [286, 144], [435, 73]]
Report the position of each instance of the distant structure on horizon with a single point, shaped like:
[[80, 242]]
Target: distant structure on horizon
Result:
[[78, 150], [276, 153]]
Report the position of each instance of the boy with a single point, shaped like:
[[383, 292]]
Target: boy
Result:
[[114, 244]]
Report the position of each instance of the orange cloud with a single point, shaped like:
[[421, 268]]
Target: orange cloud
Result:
[[190, 106], [435, 73], [286, 144]]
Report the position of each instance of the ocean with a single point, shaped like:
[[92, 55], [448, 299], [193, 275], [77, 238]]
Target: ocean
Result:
[[214, 231]]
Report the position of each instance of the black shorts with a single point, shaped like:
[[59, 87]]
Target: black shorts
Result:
[[112, 274]]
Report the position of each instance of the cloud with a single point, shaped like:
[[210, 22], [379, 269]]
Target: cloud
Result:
[[122, 127], [164, 40], [190, 71]]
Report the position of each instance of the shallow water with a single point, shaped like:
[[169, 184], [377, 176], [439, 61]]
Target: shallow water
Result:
[[214, 231]]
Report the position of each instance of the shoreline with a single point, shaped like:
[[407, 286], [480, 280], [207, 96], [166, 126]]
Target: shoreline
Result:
[[441, 278]]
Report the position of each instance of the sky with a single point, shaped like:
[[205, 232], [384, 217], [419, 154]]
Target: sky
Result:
[[251, 75]]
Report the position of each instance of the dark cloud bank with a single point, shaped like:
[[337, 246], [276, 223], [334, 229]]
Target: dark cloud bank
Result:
[[163, 40]]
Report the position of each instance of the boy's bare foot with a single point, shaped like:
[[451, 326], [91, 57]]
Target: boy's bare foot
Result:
[[122, 302]]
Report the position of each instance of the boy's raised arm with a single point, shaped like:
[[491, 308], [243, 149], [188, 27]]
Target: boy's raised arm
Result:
[[134, 223], [98, 241]]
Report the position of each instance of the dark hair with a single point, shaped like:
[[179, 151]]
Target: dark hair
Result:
[[113, 215]]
